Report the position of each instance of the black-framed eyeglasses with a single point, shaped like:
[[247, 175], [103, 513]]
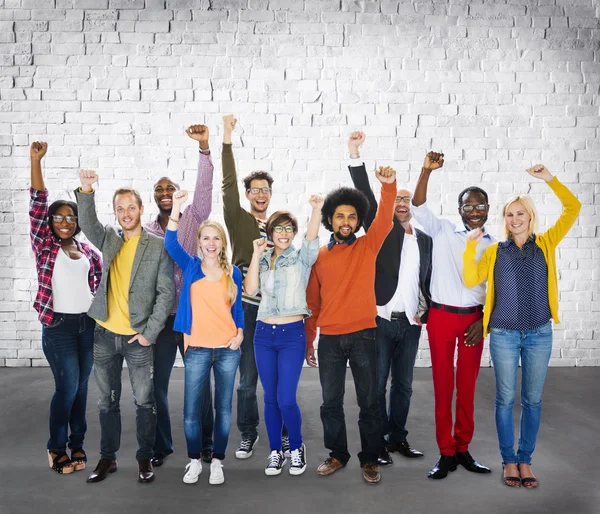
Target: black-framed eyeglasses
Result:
[[59, 218], [406, 199], [256, 190], [469, 208], [286, 228]]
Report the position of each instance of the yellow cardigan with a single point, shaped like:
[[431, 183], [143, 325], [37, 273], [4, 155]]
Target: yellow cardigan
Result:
[[475, 273]]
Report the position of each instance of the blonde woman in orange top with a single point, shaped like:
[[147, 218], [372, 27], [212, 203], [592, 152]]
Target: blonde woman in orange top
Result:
[[211, 318]]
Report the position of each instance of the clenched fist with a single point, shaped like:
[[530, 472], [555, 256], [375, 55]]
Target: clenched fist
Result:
[[259, 245], [229, 123], [316, 201], [198, 133], [475, 235], [433, 160], [385, 175], [180, 197], [540, 171], [355, 140], [87, 178], [38, 150]]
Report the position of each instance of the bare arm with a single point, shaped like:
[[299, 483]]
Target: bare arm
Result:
[[251, 282], [433, 161], [36, 153]]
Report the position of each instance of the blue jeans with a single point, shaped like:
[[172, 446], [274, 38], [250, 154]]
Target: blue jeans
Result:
[[165, 352], [198, 362], [397, 342], [68, 344], [334, 352], [534, 348], [280, 352], [110, 350]]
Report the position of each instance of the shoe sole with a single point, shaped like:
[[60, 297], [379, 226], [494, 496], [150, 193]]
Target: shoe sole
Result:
[[444, 476], [216, 481], [270, 472], [297, 471], [246, 455], [190, 481]]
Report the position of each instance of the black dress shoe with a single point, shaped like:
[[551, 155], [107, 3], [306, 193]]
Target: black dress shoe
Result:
[[442, 466], [404, 449], [158, 460], [470, 464], [146, 473], [384, 458], [104, 467]]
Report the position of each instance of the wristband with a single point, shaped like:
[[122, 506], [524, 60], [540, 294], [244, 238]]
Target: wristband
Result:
[[354, 156], [205, 152], [173, 220]]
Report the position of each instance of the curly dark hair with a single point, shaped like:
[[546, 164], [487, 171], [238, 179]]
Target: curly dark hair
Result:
[[257, 175], [471, 189], [54, 206], [344, 196]]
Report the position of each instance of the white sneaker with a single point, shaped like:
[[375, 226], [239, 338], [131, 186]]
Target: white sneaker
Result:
[[216, 473], [193, 470], [298, 461]]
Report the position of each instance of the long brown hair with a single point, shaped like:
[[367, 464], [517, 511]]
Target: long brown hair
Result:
[[224, 263]]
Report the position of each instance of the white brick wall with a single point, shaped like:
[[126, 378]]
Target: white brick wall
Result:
[[497, 86]]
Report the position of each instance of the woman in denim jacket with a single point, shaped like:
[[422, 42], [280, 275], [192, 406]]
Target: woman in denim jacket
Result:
[[281, 273]]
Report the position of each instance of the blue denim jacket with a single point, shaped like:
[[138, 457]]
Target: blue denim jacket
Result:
[[292, 270]]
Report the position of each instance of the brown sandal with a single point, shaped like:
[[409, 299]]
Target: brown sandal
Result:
[[78, 458], [62, 467]]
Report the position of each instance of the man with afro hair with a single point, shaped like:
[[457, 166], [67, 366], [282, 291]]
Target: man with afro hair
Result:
[[341, 296]]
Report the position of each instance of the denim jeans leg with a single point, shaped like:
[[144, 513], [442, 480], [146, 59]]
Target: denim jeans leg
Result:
[[403, 365], [198, 362], [247, 406], [224, 368], [108, 365], [140, 363], [535, 356], [505, 350], [59, 343], [332, 375], [363, 363], [85, 350], [165, 351], [385, 346]]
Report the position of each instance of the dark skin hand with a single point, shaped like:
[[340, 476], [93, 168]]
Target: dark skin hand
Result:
[[474, 333]]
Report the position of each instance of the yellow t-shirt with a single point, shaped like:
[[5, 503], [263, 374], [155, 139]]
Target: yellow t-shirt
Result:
[[118, 289]]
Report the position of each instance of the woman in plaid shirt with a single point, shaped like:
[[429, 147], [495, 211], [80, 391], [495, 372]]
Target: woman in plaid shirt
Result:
[[69, 273]]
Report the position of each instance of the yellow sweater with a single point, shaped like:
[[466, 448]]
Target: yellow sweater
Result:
[[476, 272]]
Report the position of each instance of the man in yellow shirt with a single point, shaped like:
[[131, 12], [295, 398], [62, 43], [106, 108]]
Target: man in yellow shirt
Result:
[[131, 306]]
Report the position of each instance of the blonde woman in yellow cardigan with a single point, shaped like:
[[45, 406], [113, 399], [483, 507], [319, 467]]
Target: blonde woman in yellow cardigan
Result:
[[521, 299]]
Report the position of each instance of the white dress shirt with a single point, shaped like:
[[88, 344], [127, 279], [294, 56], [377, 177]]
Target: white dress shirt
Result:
[[449, 242], [406, 297]]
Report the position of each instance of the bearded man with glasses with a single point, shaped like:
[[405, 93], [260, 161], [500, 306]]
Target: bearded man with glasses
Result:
[[455, 316]]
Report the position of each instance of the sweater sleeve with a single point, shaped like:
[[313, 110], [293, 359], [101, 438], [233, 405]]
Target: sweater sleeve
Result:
[[237, 310], [176, 251], [383, 221], [313, 300], [571, 208], [474, 273]]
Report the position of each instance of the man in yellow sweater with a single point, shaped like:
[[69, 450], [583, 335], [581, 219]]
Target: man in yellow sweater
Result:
[[341, 296]]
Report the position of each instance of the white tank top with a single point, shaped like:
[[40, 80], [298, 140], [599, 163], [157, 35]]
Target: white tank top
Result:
[[70, 287]]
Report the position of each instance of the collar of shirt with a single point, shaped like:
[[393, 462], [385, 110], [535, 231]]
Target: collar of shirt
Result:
[[333, 242], [510, 241], [267, 254], [461, 228]]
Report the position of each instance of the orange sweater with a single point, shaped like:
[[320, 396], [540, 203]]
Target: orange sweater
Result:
[[341, 289]]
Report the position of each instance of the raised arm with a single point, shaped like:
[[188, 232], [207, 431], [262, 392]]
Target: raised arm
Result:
[[175, 249], [474, 273], [433, 161], [251, 282], [571, 205], [358, 173], [88, 219], [36, 153], [383, 221], [231, 194], [38, 205]]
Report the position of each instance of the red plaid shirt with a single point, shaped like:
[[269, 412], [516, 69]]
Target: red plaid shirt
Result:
[[45, 247]]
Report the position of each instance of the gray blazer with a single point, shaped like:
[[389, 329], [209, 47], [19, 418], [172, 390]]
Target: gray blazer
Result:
[[151, 288]]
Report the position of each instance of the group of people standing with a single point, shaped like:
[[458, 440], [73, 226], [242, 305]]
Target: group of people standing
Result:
[[369, 296]]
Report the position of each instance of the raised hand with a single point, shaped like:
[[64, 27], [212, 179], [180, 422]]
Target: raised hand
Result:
[[198, 133], [180, 197], [229, 123], [540, 171], [87, 178], [316, 201], [385, 175], [259, 245], [38, 150], [433, 160], [355, 140], [475, 235]]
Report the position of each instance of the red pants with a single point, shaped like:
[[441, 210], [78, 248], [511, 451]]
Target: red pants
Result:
[[443, 329]]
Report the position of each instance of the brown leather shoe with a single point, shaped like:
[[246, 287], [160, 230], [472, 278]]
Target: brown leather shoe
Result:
[[371, 473], [146, 472], [329, 467], [104, 467]]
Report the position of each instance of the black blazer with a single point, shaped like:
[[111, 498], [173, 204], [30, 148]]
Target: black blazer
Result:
[[388, 260]]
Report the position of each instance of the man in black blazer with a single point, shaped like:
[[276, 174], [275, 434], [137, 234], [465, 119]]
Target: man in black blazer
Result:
[[403, 274]]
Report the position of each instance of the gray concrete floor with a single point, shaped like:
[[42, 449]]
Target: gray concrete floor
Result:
[[565, 461]]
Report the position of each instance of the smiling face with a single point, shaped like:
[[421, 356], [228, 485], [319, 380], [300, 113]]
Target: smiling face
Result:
[[475, 218], [210, 243], [402, 206], [163, 194], [344, 222], [64, 230], [517, 220], [282, 240], [128, 211], [259, 202]]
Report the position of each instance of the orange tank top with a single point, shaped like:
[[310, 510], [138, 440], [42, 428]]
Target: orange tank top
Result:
[[212, 323]]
